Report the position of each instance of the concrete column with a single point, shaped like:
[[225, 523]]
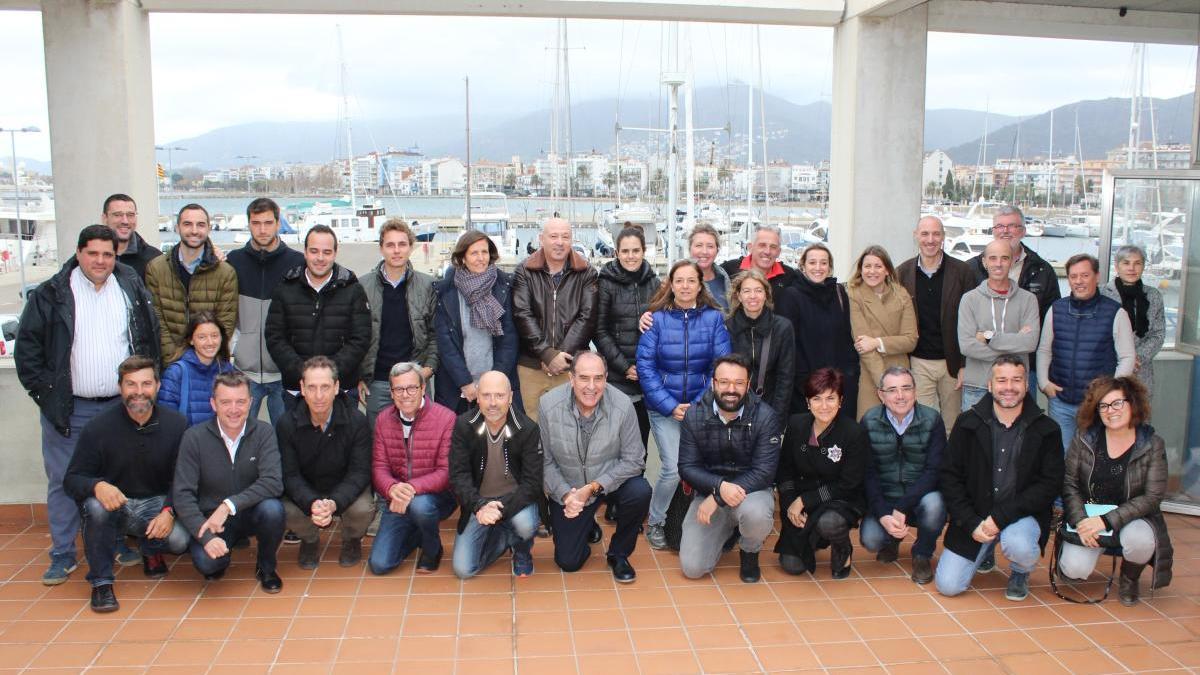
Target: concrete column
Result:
[[878, 132], [101, 112]]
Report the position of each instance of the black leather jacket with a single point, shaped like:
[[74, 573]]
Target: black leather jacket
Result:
[[552, 319]]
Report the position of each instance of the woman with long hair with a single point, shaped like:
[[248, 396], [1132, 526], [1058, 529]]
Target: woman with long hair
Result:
[[882, 320], [674, 364], [1144, 305], [1116, 461], [187, 383], [763, 337], [823, 336]]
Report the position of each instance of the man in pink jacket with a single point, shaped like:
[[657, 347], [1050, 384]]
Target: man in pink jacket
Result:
[[411, 471]]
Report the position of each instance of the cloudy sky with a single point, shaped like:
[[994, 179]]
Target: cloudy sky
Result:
[[261, 68]]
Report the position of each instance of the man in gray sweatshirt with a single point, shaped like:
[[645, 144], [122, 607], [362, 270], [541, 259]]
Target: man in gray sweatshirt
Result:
[[997, 317]]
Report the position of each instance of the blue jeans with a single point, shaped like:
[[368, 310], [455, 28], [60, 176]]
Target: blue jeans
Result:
[[379, 397], [928, 516], [1018, 541], [1064, 413], [971, 395], [272, 392], [478, 546], [61, 510], [264, 521], [666, 437], [101, 529], [400, 533]]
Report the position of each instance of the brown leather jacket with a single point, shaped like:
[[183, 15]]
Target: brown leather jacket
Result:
[[553, 319]]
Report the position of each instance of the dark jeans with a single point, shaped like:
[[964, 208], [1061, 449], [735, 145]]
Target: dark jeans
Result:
[[264, 521], [102, 529], [571, 548], [643, 418], [928, 516], [272, 393], [400, 533]]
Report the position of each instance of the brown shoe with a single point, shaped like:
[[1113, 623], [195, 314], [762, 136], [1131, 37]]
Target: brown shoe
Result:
[[1127, 589], [922, 571], [351, 552]]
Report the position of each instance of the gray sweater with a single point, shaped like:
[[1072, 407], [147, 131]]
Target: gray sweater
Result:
[[1013, 320], [205, 476], [614, 455]]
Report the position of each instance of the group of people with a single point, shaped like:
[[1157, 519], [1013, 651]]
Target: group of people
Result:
[[903, 398]]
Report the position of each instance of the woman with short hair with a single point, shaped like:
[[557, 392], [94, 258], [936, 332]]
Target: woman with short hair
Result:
[[1144, 305]]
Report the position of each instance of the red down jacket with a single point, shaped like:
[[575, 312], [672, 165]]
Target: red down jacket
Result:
[[423, 460]]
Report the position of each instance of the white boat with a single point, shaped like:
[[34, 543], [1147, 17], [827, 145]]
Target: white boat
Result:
[[713, 215], [636, 213], [38, 241], [348, 222], [489, 214], [967, 246], [742, 223]]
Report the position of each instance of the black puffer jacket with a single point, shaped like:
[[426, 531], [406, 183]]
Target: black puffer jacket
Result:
[[823, 338], [624, 296], [47, 332], [744, 452], [335, 322], [749, 336]]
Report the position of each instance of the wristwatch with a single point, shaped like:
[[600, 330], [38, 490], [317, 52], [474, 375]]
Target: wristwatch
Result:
[[597, 489], [988, 335]]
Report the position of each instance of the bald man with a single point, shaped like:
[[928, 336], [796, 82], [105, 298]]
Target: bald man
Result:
[[936, 282], [496, 475], [554, 306]]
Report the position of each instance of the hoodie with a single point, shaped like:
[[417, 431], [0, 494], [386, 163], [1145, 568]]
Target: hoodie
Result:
[[258, 273], [1013, 319]]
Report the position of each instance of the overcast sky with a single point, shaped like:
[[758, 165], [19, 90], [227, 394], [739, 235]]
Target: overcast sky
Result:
[[216, 70]]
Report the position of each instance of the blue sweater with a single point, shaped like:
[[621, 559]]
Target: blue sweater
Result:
[[674, 357], [187, 386]]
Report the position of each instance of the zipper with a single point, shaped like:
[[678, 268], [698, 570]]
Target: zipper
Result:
[[553, 312], [684, 398]]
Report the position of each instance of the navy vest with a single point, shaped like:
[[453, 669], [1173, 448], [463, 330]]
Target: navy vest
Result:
[[1083, 347]]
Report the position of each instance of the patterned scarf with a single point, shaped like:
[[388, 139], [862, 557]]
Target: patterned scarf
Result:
[[477, 289]]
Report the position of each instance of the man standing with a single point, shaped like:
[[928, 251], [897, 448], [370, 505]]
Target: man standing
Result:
[[764, 256], [191, 278], [228, 483], [319, 309], [907, 440], [402, 303], [120, 214], [260, 266], [76, 329], [995, 318], [593, 453], [121, 477], [325, 449], [496, 471], [1085, 335], [554, 306], [936, 282], [1002, 471], [411, 471], [728, 453]]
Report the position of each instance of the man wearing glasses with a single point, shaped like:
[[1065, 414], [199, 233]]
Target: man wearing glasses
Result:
[[120, 215], [907, 440], [411, 471]]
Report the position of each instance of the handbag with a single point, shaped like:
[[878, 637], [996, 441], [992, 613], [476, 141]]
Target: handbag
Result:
[[1109, 542], [676, 514]]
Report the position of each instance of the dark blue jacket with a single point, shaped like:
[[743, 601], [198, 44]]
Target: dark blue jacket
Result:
[[674, 357], [187, 386], [452, 371], [1083, 346], [744, 452], [902, 468]]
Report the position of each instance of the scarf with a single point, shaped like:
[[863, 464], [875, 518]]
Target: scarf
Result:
[[1136, 304], [477, 289]]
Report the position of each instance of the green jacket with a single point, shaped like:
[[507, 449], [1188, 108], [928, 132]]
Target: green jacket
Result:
[[902, 468], [214, 287], [421, 303]]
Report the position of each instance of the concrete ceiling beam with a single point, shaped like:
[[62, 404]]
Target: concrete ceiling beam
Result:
[[1059, 21]]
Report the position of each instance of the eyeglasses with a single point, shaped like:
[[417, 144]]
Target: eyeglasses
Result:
[[725, 384], [1115, 405], [1006, 226], [409, 390], [908, 389]]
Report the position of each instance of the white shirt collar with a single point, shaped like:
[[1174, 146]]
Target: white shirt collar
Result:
[[231, 444], [314, 286]]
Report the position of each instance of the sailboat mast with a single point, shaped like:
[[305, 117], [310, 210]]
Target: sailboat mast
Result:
[[749, 154], [467, 92], [1053, 183], [762, 124], [346, 112]]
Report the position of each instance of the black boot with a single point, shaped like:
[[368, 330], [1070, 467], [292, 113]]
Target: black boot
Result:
[[839, 559], [750, 572], [1128, 588]]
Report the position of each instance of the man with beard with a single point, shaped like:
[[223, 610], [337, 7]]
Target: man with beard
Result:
[[1002, 471], [121, 476], [728, 454], [188, 279], [593, 453], [120, 215]]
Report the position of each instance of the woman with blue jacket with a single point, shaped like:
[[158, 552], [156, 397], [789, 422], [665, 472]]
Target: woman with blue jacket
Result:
[[473, 323], [674, 363], [187, 383]]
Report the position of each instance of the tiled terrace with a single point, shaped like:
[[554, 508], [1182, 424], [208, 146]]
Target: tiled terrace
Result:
[[346, 620]]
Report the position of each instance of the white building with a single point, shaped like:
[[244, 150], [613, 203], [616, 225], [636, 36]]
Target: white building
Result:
[[804, 179], [935, 167], [443, 176]]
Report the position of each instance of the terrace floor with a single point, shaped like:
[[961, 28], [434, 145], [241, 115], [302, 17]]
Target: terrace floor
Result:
[[346, 620]]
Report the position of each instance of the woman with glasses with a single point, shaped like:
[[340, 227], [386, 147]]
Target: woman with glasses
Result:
[[1117, 466], [187, 383], [763, 337], [1144, 305], [882, 320]]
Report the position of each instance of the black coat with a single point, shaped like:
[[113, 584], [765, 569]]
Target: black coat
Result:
[[334, 463], [823, 338], [623, 297], [452, 371], [749, 336], [468, 457], [47, 333], [966, 476], [744, 452], [830, 478], [138, 254], [138, 460], [334, 323]]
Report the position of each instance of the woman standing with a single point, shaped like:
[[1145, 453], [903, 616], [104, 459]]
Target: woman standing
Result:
[[473, 323], [703, 245], [1116, 459], [187, 383], [882, 320], [823, 337], [764, 338], [1144, 305], [626, 285], [821, 469], [674, 363]]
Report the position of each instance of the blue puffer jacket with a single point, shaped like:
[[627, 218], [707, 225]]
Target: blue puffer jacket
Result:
[[674, 357], [187, 386], [1083, 346]]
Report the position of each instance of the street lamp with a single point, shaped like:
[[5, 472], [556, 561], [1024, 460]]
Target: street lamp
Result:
[[12, 134], [170, 160], [247, 157]]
